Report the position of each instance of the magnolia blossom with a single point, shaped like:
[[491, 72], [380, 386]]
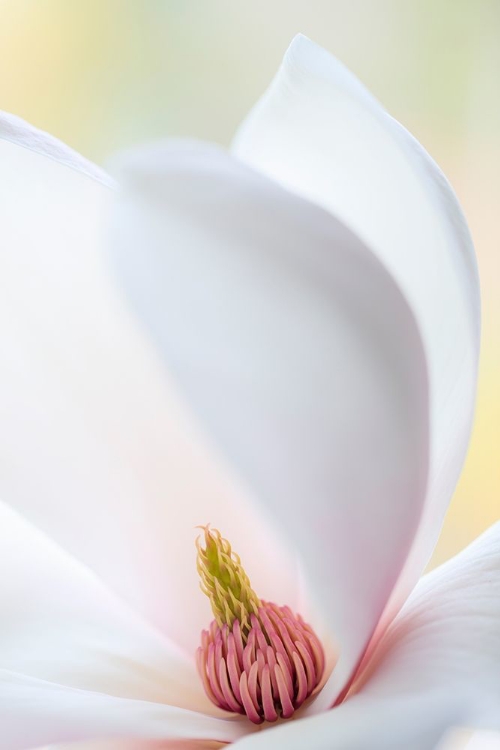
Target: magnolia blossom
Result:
[[280, 341]]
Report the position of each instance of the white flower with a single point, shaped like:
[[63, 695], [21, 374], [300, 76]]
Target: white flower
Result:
[[315, 295]]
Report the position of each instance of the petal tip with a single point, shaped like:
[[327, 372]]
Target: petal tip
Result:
[[21, 133]]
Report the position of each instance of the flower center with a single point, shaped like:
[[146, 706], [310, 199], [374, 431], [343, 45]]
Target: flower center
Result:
[[257, 658]]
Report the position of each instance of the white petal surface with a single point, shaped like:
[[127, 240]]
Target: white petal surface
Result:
[[34, 713], [448, 636], [320, 133], [17, 131], [437, 667], [95, 447], [484, 741], [364, 724], [300, 355], [59, 623]]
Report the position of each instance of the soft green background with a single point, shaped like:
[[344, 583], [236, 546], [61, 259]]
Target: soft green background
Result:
[[102, 74]]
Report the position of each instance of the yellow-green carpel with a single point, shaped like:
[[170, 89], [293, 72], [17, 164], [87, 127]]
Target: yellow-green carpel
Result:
[[225, 582], [256, 658]]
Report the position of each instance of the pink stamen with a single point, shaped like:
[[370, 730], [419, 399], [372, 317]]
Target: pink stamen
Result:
[[308, 664], [301, 679], [249, 708], [268, 674], [268, 707], [238, 642]]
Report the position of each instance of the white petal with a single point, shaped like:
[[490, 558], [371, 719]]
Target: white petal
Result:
[[363, 724], [447, 636], [437, 667], [96, 449], [300, 355], [59, 623], [19, 132], [34, 713], [320, 133]]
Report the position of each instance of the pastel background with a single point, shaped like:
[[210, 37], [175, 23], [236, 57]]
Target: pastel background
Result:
[[103, 74]]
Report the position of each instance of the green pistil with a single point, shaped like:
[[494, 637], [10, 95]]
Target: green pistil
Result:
[[225, 582]]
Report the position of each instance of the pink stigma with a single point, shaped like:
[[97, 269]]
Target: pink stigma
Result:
[[267, 674]]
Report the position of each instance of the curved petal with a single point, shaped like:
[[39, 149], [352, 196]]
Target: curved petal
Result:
[[17, 131], [96, 449], [59, 623], [34, 713], [437, 667], [447, 636], [320, 133], [300, 355], [364, 724]]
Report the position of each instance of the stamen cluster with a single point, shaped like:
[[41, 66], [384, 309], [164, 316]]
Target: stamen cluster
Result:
[[269, 676]]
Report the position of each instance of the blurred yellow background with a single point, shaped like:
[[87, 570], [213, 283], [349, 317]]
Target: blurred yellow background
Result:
[[102, 74]]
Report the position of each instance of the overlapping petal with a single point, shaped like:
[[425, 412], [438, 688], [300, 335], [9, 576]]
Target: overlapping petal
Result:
[[60, 624], [448, 636], [96, 448], [437, 667], [364, 724], [34, 713], [298, 352], [18, 132], [320, 133]]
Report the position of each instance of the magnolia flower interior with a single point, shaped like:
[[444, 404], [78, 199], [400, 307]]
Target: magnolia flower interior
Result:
[[257, 658], [281, 339]]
